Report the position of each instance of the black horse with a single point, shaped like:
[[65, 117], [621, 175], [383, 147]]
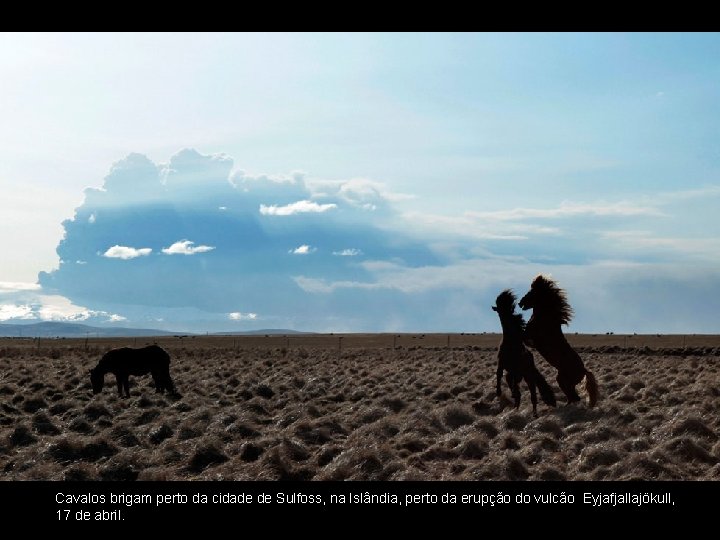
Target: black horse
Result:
[[126, 361], [544, 333], [514, 357]]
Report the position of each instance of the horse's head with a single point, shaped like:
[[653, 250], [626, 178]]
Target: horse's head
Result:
[[539, 289], [528, 301], [97, 380], [505, 302], [545, 293]]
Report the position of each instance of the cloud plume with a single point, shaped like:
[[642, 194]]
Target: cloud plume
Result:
[[338, 256]]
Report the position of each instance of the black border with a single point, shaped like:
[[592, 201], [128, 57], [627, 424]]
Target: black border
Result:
[[37, 502]]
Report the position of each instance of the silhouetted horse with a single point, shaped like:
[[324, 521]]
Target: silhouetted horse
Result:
[[544, 333], [126, 361], [514, 358]]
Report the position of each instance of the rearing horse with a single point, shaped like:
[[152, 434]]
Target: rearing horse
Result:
[[514, 357], [544, 333]]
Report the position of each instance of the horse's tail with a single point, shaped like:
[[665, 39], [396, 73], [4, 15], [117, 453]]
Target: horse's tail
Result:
[[546, 391], [591, 387]]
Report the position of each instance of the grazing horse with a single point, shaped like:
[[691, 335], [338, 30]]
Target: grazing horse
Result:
[[514, 357], [544, 333], [126, 361]]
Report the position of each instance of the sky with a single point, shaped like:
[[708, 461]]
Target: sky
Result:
[[359, 182]]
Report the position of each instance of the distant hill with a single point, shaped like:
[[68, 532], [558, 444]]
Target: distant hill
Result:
[[264, 332], [77, 330], [74, 330]]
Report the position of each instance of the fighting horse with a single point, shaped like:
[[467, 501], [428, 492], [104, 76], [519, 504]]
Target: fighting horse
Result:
[[514, 357], [126, 361], [544, 333]]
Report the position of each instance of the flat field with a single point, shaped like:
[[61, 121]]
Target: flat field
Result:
[[360, 407]]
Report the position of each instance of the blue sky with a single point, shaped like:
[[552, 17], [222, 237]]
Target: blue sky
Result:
[[359, 182]]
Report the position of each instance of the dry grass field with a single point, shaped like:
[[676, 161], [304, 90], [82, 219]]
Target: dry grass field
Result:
[[353, 407]]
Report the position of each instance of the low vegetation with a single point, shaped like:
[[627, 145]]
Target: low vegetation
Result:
[[363, 413]]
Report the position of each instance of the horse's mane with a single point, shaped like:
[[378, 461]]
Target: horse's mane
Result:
[[552, 298], [507, 300]]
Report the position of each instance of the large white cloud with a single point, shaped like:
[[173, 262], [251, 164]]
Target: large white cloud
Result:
[[31, 305], [59, 308], [13, 311]]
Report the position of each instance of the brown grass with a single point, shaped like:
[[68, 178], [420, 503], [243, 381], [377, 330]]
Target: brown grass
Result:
[[263, 408]]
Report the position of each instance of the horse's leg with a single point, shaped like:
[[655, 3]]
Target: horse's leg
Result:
[[533, 393], [515, 388], [119, 384], [169, 383], [158, 380], [567, 387], [498, 390], [516, 394], [126, 384]]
